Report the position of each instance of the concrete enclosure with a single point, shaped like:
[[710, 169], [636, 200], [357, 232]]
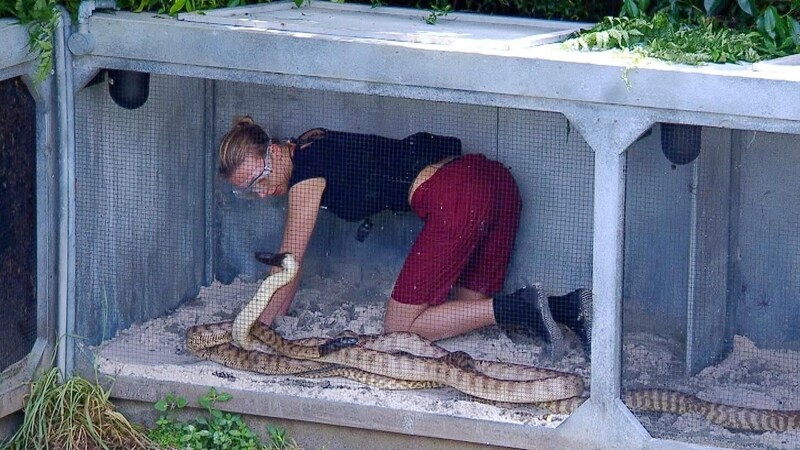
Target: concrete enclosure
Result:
[[29, 216], [666, 189]]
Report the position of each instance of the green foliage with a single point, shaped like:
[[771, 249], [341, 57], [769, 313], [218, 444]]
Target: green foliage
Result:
[[585, 10], [659, 38], [771, 25], [215, 430], [683, 33], [439, 9], [173, 7], [73, 414], [41, 17], [279, 439]]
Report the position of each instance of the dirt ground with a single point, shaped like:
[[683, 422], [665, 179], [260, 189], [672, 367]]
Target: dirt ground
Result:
[[17, 221]]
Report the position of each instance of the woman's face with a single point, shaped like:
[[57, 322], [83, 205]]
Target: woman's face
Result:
[[255, 177]]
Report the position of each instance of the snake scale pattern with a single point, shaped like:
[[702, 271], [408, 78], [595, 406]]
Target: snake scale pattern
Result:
[[407, 361]]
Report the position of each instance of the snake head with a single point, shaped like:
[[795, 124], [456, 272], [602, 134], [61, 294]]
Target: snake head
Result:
[[271, 259], [337, 344]]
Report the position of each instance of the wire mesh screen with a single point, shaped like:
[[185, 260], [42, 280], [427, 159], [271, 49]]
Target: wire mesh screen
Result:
[[17, 221], [443, 220], [140, 220], [710, 317], [555, 168]]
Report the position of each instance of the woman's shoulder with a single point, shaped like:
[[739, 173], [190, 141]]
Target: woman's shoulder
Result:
[[308, 137]]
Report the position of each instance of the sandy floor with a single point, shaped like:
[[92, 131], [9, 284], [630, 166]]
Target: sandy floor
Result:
[[748, 377]]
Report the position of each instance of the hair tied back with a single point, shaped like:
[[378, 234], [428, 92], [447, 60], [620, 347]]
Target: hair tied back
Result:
[[240, 121]]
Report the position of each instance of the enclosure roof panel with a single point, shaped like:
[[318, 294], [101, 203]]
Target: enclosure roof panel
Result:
[[455, 30], [14, 50], [464, 58]]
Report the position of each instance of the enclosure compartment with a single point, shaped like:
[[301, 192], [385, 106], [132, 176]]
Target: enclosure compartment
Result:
[[709, 276], [17, 219], [163, 244], [27, 220]]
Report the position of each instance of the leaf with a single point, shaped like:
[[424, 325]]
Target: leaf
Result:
[[767, 20], [604, 39], [794, 27], [176, 7], [630, 8], [748, 6], [161, 405]]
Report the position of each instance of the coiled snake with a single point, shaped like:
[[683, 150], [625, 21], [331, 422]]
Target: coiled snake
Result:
[[407, 361]]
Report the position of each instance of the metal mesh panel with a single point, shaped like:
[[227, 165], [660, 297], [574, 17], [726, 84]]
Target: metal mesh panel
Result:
[[143, 187], [554, 167], [709, 280], [17, 221], [139, 211]]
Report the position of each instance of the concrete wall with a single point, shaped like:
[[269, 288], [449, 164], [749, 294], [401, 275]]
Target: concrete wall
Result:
[[755, 192], [309, 435], [657, 223], [766, 276], [140, 183]]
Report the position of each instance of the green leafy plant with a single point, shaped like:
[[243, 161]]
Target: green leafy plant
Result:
[[701, 41], [699, 32], [438, 10], [73, 414], [215, 430], [174, 7], [279, 439]]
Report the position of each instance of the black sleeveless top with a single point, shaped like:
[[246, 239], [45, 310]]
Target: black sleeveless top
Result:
[[366, 174]]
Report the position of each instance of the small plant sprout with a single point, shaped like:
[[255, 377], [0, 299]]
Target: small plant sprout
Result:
[[279, 439], [440, 8]]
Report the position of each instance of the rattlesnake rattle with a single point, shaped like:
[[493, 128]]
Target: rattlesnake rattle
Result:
[[407, 361]]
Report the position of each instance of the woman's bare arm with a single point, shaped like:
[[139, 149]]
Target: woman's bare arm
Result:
[[304, 201]]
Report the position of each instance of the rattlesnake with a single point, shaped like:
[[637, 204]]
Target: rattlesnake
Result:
[[408, 361]]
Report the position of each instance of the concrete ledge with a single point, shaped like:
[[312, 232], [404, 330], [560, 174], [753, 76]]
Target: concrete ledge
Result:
[[348, 415], [313, 436], [545, 71], [15, 58]]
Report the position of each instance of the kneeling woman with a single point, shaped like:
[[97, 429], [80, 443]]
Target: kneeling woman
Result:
[[470, 206]]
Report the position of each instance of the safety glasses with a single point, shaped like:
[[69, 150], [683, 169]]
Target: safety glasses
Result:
[[249, 190]]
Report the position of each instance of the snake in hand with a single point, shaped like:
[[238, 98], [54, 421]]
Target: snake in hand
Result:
[[408, 361]]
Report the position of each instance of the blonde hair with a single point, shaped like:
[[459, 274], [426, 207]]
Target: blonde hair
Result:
[[244, 138]]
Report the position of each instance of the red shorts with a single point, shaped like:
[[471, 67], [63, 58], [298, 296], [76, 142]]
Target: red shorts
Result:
[[471, 209]]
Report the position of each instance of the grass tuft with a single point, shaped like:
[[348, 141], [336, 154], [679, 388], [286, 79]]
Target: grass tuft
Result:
[[73, 414]]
